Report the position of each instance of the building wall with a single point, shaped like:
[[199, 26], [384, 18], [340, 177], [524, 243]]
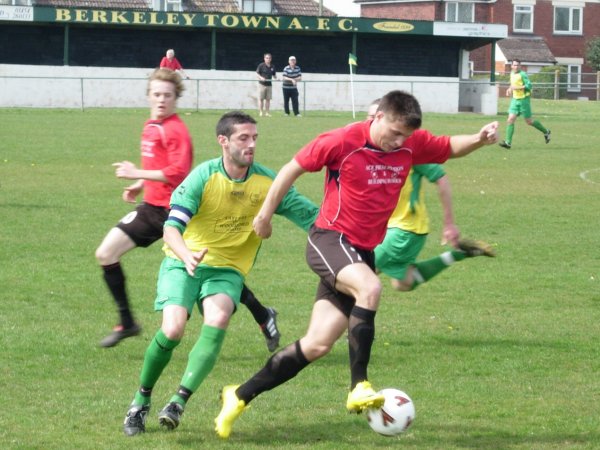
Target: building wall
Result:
[[562, 46], [416, 11]]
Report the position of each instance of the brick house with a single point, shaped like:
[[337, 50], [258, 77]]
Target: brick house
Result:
[[540, 32]]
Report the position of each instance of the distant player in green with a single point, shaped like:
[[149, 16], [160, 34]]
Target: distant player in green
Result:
[[210, 248], [520, 89]]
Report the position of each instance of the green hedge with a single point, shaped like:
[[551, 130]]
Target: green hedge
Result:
[[543, 82]]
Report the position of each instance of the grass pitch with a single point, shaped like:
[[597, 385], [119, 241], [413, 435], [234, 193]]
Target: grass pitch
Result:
[[496, 353]]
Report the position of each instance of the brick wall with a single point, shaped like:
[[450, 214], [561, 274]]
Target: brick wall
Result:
[[416, 11]]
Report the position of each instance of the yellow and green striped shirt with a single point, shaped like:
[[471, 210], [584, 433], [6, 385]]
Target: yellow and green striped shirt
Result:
[[216, 212]]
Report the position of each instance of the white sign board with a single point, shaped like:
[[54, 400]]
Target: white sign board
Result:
[[23, 13]]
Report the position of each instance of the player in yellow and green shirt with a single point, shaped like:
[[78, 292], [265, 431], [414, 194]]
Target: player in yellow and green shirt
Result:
[[210, 247], [407, 232], [520, 89]]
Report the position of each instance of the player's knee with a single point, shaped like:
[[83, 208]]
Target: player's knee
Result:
[[173, 331], [316, 350], [103, 256], [371, 289]]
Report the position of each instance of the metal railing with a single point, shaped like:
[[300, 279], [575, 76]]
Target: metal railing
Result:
[[220, 93], [562, 84]]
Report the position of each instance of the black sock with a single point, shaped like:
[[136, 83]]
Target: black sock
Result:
[[281, 367], [184, 393], [361, 333], [258, 311], [115, 280]]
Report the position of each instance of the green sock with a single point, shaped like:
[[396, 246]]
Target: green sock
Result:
[[426, 270], [201, 360], [537, 124], [510, 130], [158, 354]]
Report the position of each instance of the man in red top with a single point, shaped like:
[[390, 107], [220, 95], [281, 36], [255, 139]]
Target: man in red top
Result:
[[166, 160], [367, 164], [170, 62]]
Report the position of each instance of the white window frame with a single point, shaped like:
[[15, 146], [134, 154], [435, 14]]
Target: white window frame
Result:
[[573, 28], [167, 5], [573, 78], [455, 13], [250, 6], [17, 2], [523, 9]]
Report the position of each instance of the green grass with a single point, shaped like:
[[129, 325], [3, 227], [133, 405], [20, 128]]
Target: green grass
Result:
[[496, 353]]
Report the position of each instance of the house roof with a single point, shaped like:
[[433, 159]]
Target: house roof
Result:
[[532, 50], [300, 8], [418, 1], [280, 7], [104, 4]]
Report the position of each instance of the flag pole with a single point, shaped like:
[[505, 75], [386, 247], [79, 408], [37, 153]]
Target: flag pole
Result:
[[352, 62], [352, 93]]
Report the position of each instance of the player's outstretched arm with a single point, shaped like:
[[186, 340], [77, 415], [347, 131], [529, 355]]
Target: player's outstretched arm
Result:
[[281, 185], [462, 145]]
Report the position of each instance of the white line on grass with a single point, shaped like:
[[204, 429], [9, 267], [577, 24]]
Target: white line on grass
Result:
[[585, 175]]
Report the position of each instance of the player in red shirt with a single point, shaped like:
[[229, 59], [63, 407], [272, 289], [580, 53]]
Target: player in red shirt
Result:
[[167, 153], [367, 163], [170, 62]]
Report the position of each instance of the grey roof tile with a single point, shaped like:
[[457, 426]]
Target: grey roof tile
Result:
[[280, 7], [526, 49]]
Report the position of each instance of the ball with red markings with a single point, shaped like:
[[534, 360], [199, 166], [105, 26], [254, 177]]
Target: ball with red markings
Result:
[[396, 414]]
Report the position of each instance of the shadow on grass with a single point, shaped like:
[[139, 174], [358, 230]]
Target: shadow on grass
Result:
[[480, 438], [343, 434]]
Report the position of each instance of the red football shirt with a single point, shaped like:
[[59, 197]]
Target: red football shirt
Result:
[[166, 146], [172, 64], [363, 183]]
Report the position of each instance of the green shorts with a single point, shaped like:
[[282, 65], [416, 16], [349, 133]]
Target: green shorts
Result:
[[520, 107], [398, 251], [176, 287]]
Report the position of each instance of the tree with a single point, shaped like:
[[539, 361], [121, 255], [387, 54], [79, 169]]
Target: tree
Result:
[[593, 52]]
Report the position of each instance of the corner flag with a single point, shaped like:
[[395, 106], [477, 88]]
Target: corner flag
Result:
[[352, 60]]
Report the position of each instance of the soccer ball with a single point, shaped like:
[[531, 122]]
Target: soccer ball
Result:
[[396, 414]]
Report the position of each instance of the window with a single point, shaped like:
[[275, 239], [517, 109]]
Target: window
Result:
[[257, 6], [523, 19], [167, 5], [574, 78], [568, 20], [16, 2], [460, 12]]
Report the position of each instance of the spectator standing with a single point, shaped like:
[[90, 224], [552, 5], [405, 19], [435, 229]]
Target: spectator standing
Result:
[[265, 72], [170, 62], [291, 76]]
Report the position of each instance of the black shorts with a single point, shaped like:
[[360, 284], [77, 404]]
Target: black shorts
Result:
[[144, 225], [327, 253]]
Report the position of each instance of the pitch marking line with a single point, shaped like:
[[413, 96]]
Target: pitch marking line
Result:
[[585, 176]]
